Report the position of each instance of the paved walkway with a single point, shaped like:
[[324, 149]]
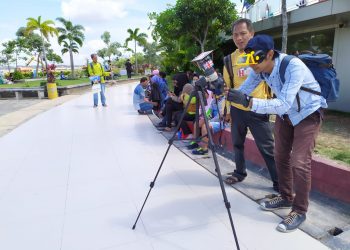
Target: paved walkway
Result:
[[75, 177]]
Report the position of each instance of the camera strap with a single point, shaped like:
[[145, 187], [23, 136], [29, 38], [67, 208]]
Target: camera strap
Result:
[[229, 69]]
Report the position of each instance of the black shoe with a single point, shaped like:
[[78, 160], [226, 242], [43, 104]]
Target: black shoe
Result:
[[275, 203], [141, 112], [291, 222], [161, 125], [192, 145]]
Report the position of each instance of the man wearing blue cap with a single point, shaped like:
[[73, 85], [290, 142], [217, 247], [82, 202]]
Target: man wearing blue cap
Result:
[[299, 116]]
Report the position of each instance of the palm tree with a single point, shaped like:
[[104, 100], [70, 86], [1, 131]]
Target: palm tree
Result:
[[111, 49], [71, 36], [45, 30], [139, 38]]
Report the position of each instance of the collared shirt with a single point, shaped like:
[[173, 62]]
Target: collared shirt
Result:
[[96, 69], [297, 74], [240, 74], [138, 96]]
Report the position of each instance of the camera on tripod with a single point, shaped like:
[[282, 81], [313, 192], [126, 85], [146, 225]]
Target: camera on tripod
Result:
[[212, 81]]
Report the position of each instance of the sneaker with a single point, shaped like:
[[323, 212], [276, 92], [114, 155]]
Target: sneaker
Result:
[[291, 222], [95, 106], [275, 203], [156, 113], [141, 112], [192, 145], [200, 151], [104, 105]]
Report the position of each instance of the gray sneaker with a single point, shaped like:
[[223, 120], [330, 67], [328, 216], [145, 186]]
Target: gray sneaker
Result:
[[291, 222], [275, 203]]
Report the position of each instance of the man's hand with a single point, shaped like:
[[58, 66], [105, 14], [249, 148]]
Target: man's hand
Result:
[[237, 96]]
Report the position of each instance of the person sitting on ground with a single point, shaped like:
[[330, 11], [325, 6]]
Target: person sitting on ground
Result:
[[159, 79], [142, 104], [215, 115], [173, 103], [62, 76], [190, 112]]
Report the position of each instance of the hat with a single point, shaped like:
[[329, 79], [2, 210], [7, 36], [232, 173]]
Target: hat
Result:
[[188, 88], [260, 42], [155, 72]]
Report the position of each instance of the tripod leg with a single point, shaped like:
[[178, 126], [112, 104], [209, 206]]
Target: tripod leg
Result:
[[166, 153], [217, 168]]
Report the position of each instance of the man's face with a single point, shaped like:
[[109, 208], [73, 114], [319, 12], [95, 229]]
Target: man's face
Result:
[[94, 59], [145, 83], [265, 66], [241, 35]]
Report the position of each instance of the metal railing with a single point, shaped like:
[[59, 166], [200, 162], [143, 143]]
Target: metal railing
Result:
[[263, 9]]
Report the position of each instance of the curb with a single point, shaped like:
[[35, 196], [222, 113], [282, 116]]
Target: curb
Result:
[[328, 177]]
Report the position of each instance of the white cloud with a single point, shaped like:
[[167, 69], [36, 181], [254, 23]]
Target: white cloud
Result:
[[93, 11]]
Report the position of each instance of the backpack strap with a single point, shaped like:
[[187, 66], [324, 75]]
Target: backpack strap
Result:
[[228, 66], [282, 70], [229, 69]]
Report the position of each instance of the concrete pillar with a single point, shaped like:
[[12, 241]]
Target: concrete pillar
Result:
[[41, 94], [19, 95]]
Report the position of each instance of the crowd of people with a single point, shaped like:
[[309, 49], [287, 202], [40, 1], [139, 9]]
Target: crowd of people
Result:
[[246, 104]]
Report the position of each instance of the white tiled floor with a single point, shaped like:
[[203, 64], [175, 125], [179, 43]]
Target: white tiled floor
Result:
[[74, 178]]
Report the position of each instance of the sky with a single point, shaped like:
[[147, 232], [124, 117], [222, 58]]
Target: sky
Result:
[[97, 16]]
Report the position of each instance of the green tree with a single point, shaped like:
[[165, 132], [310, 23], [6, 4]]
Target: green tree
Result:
[[45, 29], [53, 57], [70, 36], [151, 53], [111, 47], [8, 53], [34, 44], [138, 38], [191, 27]]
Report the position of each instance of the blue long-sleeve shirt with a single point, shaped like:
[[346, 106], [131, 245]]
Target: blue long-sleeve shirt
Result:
[[297, 74]]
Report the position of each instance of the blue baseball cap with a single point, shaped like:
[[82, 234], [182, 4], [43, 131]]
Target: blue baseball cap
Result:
[[260, 42]]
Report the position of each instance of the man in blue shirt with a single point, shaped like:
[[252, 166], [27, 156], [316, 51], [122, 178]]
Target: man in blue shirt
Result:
[[299, 116], [142, 104]]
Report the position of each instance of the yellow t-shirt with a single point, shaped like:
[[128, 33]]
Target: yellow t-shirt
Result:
[[240, 74]]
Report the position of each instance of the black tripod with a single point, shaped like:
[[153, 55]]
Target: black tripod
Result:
[[198, 94]]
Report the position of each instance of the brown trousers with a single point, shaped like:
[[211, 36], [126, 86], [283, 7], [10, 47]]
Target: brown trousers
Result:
[[293, 154]]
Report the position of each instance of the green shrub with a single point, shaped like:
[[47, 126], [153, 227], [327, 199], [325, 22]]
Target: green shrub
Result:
[[17, 75]]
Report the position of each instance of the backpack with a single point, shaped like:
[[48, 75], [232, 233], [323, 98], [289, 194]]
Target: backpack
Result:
[[155, 93], [322, 68]]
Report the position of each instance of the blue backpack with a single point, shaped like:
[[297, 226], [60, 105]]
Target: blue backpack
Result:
[[322, 68]]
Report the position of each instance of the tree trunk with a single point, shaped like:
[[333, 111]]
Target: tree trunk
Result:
[[44, 54], [284, 27], [71, 62], [135, 60], [37, 66]]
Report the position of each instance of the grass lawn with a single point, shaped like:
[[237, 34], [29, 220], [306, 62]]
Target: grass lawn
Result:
[[333, 140], [32, 84]]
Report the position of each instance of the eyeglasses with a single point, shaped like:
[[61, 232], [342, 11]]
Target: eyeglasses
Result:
[[250, 58]]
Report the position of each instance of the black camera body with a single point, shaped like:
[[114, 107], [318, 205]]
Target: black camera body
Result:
[[216, 86]]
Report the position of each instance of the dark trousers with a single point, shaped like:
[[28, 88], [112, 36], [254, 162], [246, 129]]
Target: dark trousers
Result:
[[183, 126], [293, 152], [260, 128], [171, 107], [128, 72]]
